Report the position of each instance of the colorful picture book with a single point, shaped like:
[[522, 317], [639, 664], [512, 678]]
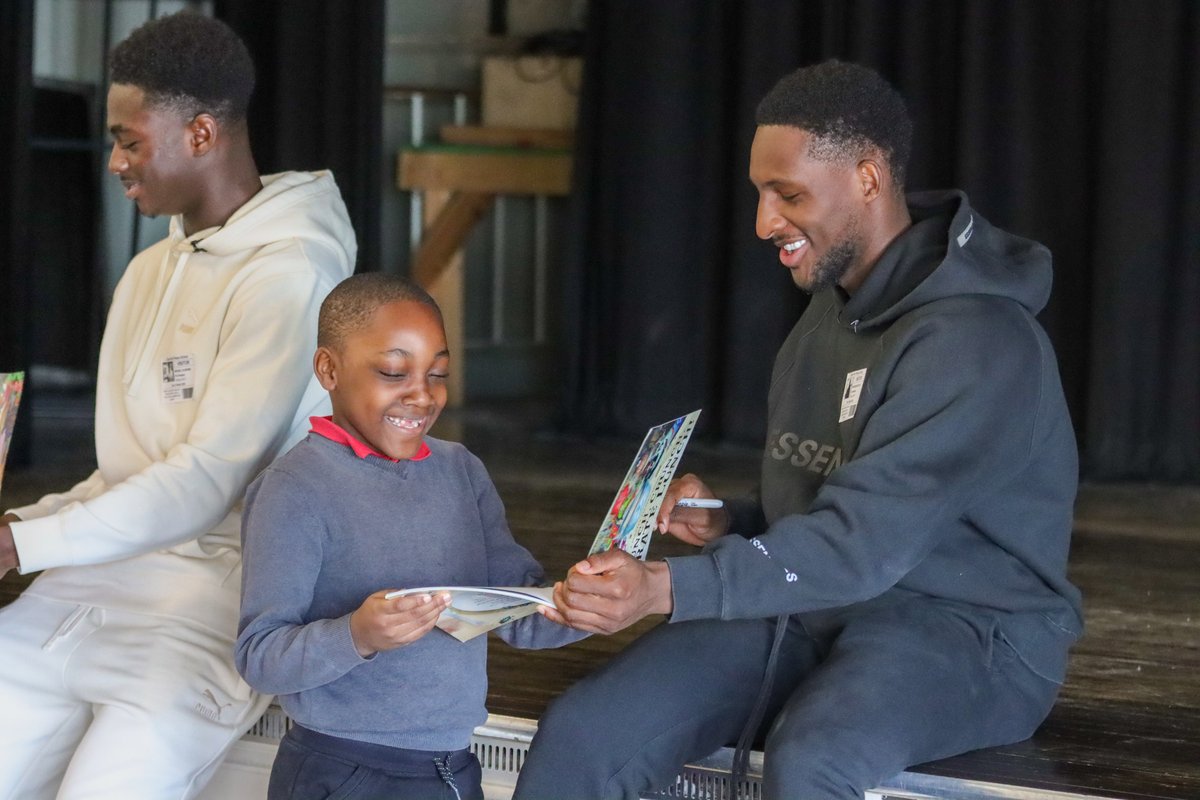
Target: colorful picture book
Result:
[[11, 385], [628, 525], [630, 522]]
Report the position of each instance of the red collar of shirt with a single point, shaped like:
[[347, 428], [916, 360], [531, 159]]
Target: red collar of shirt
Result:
[[325, 426]]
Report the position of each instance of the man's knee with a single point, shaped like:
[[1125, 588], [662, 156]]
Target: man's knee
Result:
[[549, 769], [582, 751], [565, 720], [816, 765]]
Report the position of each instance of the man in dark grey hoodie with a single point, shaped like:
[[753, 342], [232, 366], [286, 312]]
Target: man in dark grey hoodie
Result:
[[898, 592]]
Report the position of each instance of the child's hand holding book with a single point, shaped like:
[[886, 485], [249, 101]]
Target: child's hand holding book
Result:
[[382, 623]]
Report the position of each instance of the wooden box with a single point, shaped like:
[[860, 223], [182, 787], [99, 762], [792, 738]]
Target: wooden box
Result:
[[531, 91]]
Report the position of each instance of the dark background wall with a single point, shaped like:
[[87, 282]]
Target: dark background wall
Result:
[[319, 99], [1075, 123], [16, 124]]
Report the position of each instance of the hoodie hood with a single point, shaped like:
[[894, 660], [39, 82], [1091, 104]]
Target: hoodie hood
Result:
[[949, 251], [291, 205], [303, 207]]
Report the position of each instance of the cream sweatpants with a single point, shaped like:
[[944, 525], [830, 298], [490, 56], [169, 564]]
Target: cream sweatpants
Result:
[[107, 704]]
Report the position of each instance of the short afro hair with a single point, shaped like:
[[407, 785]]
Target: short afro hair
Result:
[[187, 63], [848, 109], [350, 306]]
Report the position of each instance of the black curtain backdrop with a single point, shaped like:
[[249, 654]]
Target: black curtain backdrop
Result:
[[16, 286], [319, 99], [1073, 123]]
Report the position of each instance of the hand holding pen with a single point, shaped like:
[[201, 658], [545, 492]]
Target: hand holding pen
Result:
[[691, 513]]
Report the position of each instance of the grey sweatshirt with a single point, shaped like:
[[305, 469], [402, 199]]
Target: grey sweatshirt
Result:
[[322, 530], [918, 447]]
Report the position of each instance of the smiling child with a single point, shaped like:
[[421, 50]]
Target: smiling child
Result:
[[367, 504]]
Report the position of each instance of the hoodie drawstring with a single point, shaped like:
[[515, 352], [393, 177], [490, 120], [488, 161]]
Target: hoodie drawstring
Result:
[[741, 753], [443, 769]]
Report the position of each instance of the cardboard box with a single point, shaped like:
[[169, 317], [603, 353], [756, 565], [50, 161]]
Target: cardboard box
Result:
[[531, 91]]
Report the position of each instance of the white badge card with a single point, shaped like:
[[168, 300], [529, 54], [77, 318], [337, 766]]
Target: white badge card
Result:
[[850, 395], [178, 379]]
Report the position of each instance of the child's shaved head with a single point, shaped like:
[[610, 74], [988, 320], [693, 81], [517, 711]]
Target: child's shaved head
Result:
[[352, 303]]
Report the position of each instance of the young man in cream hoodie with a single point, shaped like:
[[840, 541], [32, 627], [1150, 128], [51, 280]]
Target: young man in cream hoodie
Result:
[[116, 672]]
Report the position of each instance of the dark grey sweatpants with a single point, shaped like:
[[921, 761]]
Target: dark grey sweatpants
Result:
[[854, 703]]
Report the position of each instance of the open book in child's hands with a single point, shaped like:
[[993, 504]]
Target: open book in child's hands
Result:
[[628, 525], [478, 609]]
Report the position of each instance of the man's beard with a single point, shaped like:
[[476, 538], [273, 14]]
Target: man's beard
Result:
[[833, 266]]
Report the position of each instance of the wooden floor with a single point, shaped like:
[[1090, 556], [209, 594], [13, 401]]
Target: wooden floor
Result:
[[1127, 724]]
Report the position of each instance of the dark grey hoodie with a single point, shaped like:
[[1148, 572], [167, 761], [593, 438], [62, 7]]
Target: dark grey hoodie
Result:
[[918, 446]]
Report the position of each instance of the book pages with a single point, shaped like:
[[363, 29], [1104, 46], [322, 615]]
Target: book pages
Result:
[[629, 525]]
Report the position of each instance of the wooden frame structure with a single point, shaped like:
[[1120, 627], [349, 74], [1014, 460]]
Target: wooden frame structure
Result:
[[458, 183]]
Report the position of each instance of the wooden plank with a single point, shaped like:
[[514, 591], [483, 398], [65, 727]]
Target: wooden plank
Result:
[[447, 233], [492, 136], [547, 173], [400, 91], [447, 289]]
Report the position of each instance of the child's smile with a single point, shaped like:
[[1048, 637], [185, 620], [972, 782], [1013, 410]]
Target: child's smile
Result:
[[405, 423], [387, 380]]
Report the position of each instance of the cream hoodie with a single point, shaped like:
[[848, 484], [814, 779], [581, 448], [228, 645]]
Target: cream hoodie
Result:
[[205, 376]]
